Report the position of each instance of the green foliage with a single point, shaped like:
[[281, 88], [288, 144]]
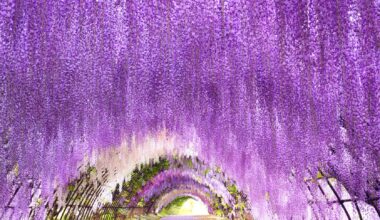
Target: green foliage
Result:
[[107, 215], [91, 169], [16, 169], [71, 187], [218, 170], [219, 213], [189, 163], [141, 203], [206, 171], [232, 189], [174, 206], [240, 206]]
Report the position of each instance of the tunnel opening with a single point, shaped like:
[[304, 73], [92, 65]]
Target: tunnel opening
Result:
[[185, 205]]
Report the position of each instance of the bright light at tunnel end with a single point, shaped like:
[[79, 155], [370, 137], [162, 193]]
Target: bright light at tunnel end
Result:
[[193, 207]]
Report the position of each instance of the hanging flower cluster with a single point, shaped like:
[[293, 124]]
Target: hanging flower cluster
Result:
[[272, 88]]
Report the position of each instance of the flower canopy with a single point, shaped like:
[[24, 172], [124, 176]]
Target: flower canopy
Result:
[[272, 92]]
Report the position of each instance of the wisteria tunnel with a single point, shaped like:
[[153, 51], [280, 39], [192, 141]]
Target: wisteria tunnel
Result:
[[189, 109]]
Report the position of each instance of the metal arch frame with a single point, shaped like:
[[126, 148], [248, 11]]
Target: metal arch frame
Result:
[[87, 191], [369, 200]]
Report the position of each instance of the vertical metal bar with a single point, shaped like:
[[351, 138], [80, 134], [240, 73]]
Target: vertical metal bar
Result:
[[10, 201], [14, 195], [100, 190], [73, 200], [85, 194], [69, 197], [52, 209], [31, 197], [357, 208], [82, 206], [339, 200], [88, 205], [319, 185]]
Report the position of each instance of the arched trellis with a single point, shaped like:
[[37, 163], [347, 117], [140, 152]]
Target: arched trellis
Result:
[[81, 199], [95, 181]]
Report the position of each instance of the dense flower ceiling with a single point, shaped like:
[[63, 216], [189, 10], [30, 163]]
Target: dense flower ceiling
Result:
[[270, 88]]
